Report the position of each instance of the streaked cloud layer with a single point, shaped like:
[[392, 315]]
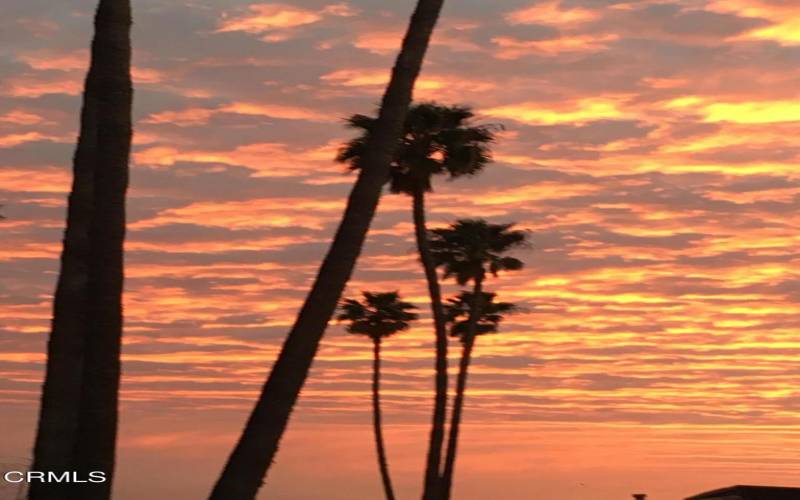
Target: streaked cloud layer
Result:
[[650, 148]]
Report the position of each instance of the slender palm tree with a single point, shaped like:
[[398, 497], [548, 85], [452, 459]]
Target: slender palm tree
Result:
[[379, 316], [436, 140], [467, 251], [249, 462], [78, 415]]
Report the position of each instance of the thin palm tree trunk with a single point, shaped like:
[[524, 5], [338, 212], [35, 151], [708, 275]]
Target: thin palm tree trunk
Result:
[[87, 304], [376, 420], [436, 439], [249, 462], [461, 387], [97, 430]]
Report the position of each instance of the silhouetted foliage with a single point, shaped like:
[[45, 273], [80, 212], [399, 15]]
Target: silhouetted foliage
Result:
[[470, 248], [467, 250], [436, 140], [378, 316], [459, 308]]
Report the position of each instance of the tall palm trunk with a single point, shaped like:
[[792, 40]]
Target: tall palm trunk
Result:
[[436, 439], [97, 430], [376, 420], [59, 408], [461, 386], [87, 322], [258, 444]]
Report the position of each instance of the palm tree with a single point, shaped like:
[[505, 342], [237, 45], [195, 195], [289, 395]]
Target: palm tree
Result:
[[249, 462], [467, 250], [436, 140], [379, 316], [78, 414]]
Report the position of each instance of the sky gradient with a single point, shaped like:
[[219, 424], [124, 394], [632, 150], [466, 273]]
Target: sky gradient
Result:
[[650, 148]]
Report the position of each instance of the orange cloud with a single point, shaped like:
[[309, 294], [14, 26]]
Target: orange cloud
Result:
[[784, 16], [26, 86], [551, 12], [52, 60], [267, 159], [21, 117], [265, 17], [249, 214], [433, 86], [201, 116], [146, 75], [54, 180], [513, 48], [579, 111], [262, 18], [12, 140]]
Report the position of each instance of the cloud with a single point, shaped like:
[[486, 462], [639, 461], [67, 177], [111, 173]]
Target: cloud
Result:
[[265, 159], [428, 86], [758, 112], [551, 12], [513, 48], [201, 116], [580, 111], [783, 19], [276, 20], [21, 117]]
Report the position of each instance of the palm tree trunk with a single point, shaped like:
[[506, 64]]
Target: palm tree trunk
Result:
[[248, 464], [87, 304], [376, 420], [436, 439], [60, 400], [461, 386], [97, 430]]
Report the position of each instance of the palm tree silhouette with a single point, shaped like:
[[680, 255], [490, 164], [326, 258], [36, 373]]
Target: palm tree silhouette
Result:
[[467, 250], [79, 405], [436, 140], [255, 451], [379, 316]]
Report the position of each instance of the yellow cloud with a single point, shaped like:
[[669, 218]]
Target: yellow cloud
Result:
[[580, 111], [750, 112], [784, 16], [754, 112]]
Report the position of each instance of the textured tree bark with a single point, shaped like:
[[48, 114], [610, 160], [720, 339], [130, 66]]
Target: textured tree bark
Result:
[[461, 387], [86, 310], [436, 439], [250, 460], [383, 464]]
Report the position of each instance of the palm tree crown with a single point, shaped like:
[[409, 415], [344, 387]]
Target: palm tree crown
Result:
[[437, 139], [492, 313], [378, 316], [470, 247]]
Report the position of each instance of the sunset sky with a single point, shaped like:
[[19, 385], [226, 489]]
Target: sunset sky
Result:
[[650, 148]]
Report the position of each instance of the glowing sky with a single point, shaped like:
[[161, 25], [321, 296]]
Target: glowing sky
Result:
[[650, 148]]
